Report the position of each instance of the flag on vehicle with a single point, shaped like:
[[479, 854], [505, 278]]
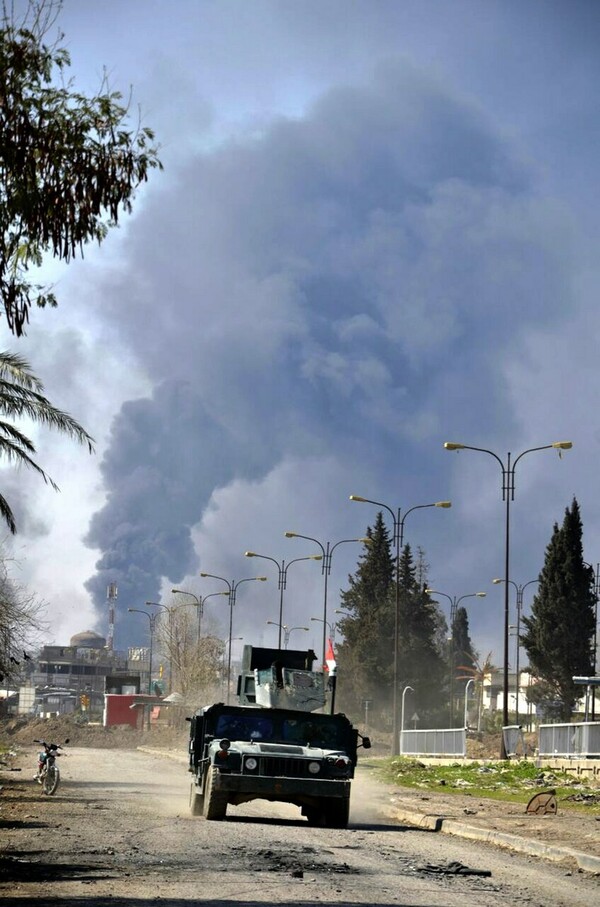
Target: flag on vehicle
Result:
[[330, 658]]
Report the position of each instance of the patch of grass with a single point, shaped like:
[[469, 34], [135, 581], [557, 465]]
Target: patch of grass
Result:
[[509, 781]]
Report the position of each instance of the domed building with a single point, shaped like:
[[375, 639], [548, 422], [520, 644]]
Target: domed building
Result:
[[88, 640], [84, 667]]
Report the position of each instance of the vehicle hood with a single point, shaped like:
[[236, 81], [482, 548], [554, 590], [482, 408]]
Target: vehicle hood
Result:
[[282, 749]]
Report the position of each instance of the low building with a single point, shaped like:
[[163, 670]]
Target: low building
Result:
[[75, 677]]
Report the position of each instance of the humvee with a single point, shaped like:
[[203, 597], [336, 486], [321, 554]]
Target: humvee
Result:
[[243, 753]]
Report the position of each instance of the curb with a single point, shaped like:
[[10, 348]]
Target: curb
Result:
[[429, 822]]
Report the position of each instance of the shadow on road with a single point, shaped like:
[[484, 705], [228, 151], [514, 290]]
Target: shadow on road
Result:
[[173, 902]]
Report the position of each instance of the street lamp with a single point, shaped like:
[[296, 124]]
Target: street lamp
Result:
[[330, 627], [283, 568], [508, 495], [404, 691], [454, 603], [327, 550], [171, 611], [232, 589], [519, 590], [227, 647], [199, 602], [398, 524], [287, 631], [467, 685], [152, 619]]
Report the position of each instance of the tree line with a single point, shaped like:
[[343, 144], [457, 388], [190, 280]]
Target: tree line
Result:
[[436, 659]]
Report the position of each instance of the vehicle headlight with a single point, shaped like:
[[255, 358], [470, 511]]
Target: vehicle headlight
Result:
[[314, 768], [251, 764]]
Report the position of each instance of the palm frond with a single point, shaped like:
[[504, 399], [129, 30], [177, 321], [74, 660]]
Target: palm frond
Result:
[[12, 433], [21, 395], [15, 453], [17, 370], [7, 514]]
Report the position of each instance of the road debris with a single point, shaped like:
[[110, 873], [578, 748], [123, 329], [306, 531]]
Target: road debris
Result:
[[453, 868], [543, 804]]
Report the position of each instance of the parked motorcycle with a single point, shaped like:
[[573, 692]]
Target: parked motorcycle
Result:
[[48, 773]]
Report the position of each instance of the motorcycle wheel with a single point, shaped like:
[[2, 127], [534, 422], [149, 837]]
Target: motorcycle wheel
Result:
[[51, 779]]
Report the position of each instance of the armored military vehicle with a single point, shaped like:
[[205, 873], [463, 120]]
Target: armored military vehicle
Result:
[[274, 678], [239, 753]]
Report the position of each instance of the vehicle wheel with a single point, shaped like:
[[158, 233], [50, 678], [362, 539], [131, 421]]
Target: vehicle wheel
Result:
[[215, 802], [314, 816], [196, 801], [51, 779], [336, 813]]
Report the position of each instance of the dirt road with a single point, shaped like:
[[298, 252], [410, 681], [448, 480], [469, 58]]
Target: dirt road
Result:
[[118, 832]]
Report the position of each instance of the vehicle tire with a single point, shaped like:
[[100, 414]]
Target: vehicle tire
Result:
[[215, 802], [196, 800], [314, 816], [51, 779], [336, 813]]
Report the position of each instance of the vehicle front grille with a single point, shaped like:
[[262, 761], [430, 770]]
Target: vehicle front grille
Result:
[[277, 767]]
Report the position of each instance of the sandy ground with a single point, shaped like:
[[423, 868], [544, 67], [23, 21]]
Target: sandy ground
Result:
[[568, 829], [575, 830], [118, 831]]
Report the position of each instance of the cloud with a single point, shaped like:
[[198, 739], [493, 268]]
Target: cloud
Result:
[[254, 516], [336, 286]]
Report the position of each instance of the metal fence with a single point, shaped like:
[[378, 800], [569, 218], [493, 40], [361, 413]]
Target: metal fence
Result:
[[577, 741], [437, 742]]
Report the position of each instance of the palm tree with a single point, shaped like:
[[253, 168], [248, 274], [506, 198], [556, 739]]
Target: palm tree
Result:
[[21, 394]]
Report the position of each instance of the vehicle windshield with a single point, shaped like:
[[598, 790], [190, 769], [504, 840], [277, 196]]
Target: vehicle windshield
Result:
[[313, 732], [305, 730], [238, 727]]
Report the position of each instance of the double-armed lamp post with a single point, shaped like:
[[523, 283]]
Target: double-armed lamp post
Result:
[[330, 627], [287, 631], [199, 602], [508, 495], [232, 587], [454, 603], [152, 620], [327, 548], [398, 523], [171, 610], [519, 590], [282, 568]]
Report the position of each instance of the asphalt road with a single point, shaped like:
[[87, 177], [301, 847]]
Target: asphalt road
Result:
[[119, 832]]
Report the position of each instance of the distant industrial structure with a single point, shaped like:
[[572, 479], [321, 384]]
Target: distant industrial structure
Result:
[[111, 597]]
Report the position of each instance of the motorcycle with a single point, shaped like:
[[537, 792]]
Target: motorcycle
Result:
[[48, 773]]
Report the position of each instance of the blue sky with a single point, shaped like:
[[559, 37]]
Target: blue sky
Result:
[[376, 231]]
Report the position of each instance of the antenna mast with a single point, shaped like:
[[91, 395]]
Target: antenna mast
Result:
[[111, 597]]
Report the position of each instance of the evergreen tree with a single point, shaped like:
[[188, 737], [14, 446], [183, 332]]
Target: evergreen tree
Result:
[[420, 661], [366, 657], [462, 651], [559, 633]]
